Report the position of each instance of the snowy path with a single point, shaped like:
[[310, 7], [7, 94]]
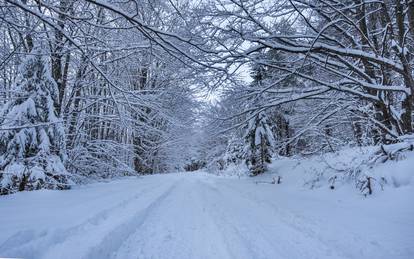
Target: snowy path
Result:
[[200, 216]]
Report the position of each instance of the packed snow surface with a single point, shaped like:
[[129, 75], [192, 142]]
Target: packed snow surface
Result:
[[203, 216]]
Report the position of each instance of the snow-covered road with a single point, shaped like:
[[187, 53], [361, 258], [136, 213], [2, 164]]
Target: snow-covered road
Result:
[[202, 216]]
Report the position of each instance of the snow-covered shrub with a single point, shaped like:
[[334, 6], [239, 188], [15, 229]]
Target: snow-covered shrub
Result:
[[99, 159], [32, 140], [394, 151], [370, 169], [234, 151]]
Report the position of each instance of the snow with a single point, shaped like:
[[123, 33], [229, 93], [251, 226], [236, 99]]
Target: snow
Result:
[[15, 169], [345, 167], [199, 215]]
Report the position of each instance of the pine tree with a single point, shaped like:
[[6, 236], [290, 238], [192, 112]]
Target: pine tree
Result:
[[32, 144], [259, 144]]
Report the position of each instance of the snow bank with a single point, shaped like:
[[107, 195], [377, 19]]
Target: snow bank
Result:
[[347, 167]]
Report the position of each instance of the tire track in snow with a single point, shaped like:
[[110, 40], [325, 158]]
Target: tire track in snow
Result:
[[180, 228], [112, 241], [237, 244], [260, 232], [51, 244]]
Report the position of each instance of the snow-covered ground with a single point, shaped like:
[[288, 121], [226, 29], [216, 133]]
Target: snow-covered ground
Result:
[[341, 169], [203, 216]]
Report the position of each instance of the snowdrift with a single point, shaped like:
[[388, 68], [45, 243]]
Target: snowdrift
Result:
[[366, 169]]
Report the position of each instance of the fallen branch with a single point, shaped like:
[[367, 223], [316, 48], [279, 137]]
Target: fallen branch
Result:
[[274, 181]]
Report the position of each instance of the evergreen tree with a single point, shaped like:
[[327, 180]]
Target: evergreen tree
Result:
[[265, 75], [32, 144], [259, 144]]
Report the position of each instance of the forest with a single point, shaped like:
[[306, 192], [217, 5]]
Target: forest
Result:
[[101, 89], [206, 129]]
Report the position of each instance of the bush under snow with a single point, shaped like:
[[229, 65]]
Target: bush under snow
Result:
[[355, 166]]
